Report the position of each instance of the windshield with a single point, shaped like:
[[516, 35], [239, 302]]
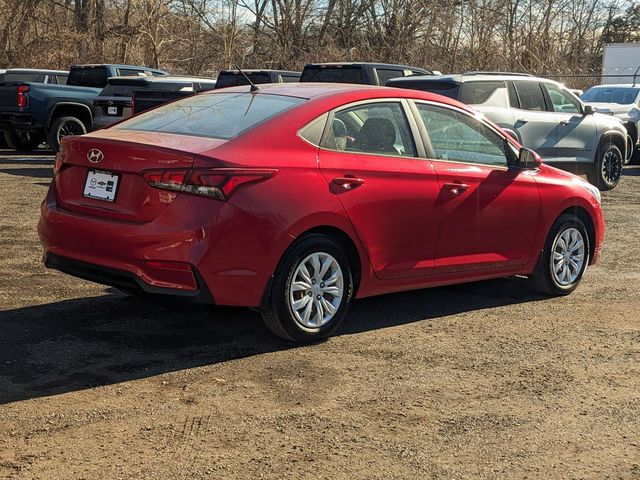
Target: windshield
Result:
[[619, 95], [223, 115]]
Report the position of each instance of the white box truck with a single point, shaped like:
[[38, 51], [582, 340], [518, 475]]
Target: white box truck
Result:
[[621, 63]]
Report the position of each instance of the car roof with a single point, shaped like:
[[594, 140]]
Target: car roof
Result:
[[342, 91], [37, 70], [617, 85], [469, 77], [116, 65], [258, 70], [362, 64]]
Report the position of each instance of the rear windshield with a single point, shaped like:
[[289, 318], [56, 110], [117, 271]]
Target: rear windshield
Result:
[[118, 90], [337, 74], [229, 79], [88, 77], [223, 115], [619, 95], [448, 89], [24, 77]]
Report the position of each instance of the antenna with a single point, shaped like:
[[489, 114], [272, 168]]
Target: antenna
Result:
[[635, 75], [254, 87]]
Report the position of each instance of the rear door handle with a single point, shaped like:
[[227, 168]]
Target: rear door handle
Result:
[[564, 122], [348, 182], [456, 188]]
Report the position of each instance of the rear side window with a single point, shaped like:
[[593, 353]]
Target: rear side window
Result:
[[23, 77], [290, 79], [130, 72], [341, 74], [88, 77], [477, 93], [513, 96], [224, 115], [530, 95], [379, 128], [385, 74]]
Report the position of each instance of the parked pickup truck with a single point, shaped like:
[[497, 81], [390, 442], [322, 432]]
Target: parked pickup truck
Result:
[[366, 73], [32, 113], [233, 78], [124, 96]]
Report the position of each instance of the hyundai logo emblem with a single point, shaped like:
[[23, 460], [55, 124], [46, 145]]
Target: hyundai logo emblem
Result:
[[95, 156]]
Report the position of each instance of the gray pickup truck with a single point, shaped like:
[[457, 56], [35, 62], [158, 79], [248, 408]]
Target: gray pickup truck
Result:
[[31, 113]]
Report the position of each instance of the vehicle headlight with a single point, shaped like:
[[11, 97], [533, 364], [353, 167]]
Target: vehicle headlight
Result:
[[591, 189]]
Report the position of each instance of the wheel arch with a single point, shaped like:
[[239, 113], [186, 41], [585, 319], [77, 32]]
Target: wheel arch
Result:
[[586, 219], [78, 110], [343, 238]]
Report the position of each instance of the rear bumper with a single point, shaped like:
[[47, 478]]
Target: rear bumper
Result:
[[124, 279], [232, 254], [19, 122]]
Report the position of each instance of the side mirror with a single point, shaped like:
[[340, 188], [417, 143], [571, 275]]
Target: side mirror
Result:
[[589, 110], [527, 158]]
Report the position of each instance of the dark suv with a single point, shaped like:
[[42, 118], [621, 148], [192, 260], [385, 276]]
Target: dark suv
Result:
[[363, 72], [543, 115]]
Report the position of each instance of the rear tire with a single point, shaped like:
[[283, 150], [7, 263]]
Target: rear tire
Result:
[[24, 142], [564, 259], [63, 126], [607, 170], [311, 291]]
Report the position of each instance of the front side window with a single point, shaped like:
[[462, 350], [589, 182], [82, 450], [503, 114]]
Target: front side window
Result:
[[458, 137], [562, 100], [224, 115], [379, 128], [530, 95]]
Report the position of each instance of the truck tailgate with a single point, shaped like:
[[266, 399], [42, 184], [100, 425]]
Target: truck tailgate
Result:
[[8, 95]]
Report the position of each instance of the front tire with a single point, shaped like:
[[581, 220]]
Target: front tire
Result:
[[607, 170], [564, 259], [63, 126], [311, 291]]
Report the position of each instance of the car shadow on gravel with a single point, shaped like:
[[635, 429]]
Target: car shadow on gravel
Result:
[[82, 343]]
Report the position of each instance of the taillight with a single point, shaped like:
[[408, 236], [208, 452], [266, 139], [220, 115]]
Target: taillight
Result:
[[218, 183], [22, 97]]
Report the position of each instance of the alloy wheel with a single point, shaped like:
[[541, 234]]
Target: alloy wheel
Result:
[[611, 166], [567, 256], [316, 290], [70, 128]]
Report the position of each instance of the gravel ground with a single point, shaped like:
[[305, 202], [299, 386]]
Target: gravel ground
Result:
[[484, 380]]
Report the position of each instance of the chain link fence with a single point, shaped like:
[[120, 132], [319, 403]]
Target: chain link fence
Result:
[[586, 80]]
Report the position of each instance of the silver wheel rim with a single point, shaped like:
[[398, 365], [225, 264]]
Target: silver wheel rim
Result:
[[316, 290], [567, 256], [70, 128], [611, 166]]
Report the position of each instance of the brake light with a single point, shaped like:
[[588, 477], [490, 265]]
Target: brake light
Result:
[[22, 99], [218, 183]]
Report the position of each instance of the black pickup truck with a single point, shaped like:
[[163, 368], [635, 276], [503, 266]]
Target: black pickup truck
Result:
[[358, 72], [124, 96], [31, 113]]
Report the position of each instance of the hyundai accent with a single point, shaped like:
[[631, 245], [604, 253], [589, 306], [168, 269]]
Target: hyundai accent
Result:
[[296, 199]]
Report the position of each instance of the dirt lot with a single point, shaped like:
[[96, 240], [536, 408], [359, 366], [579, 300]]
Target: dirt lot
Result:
[[484, 380]]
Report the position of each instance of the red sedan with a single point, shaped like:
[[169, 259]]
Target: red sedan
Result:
[[298, 198]]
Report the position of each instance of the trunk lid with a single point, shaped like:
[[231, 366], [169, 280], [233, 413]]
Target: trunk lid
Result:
[[121, 157]]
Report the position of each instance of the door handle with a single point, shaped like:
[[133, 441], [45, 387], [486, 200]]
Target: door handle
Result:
[[456, 188], [564, 122], [348, 182]]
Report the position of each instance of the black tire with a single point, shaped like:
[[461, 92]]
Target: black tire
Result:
[[543, 278], [279, 315], [24, 142], [607, 170], [63, 126]]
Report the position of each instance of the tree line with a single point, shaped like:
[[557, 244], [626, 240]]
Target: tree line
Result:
[[201, 37]]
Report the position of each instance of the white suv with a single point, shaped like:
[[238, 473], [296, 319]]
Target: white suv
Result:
[[543, 115]]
